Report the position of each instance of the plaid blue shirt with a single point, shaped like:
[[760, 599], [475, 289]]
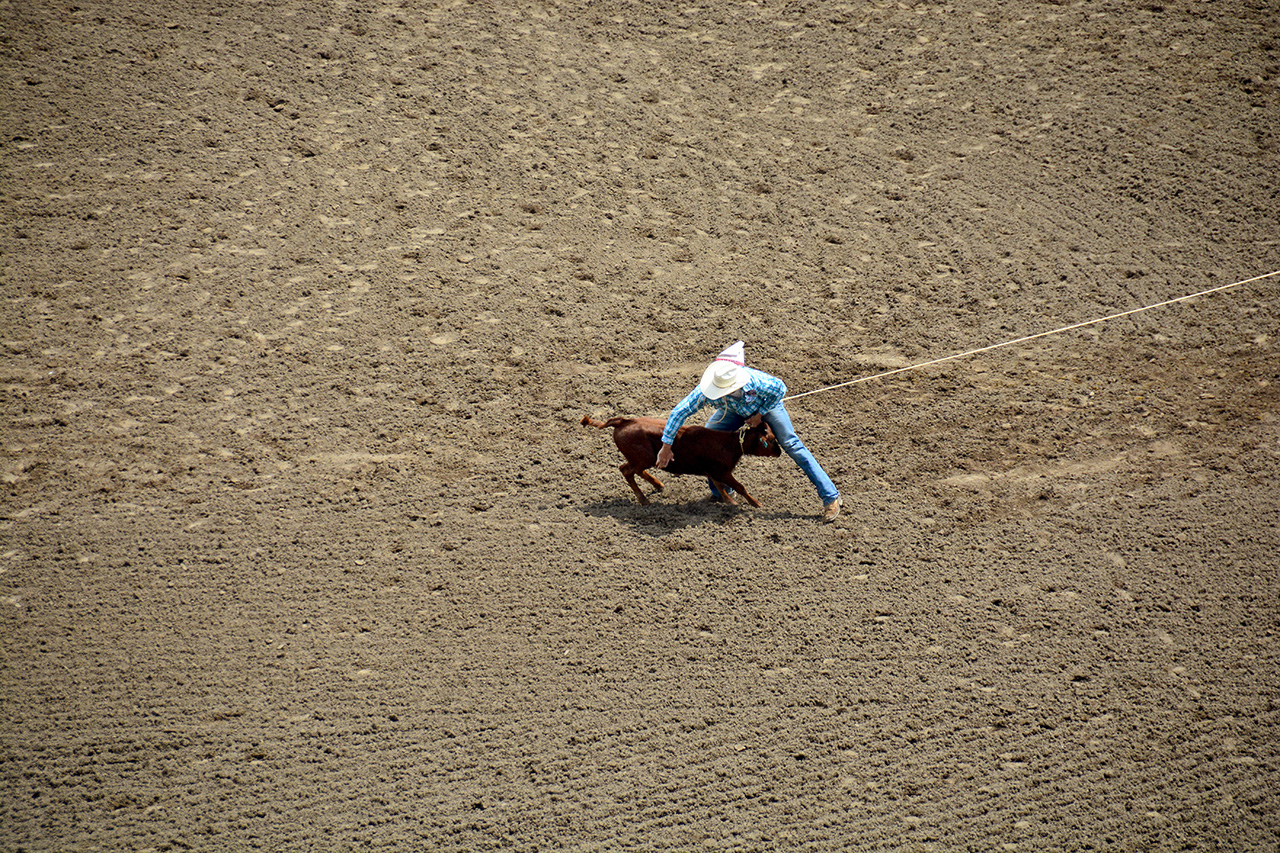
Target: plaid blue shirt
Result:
[[761, 393]]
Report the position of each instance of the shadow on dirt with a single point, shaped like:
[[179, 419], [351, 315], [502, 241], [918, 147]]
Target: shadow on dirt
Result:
[[657, 519]]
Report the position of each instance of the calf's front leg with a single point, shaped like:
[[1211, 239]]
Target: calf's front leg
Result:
[[730, 480]]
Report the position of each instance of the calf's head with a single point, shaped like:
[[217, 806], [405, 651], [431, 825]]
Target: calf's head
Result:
[[760, 441]]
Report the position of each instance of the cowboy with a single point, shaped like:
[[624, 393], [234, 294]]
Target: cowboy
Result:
[[741, 394]]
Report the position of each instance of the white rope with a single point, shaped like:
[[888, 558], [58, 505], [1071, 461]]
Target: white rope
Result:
[[1033, 337]]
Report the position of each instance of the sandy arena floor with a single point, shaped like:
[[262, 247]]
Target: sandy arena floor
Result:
[[303, 547]]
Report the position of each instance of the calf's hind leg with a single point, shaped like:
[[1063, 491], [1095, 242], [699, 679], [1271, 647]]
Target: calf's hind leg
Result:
[[630, 473]]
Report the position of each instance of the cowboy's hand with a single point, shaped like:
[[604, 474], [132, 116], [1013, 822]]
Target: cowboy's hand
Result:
[[664, 456], [754, 420]]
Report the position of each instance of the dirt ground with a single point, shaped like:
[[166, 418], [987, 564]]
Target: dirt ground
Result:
[[303, 546]]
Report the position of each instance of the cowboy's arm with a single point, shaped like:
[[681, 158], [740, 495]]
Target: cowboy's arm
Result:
[[664, 456], [675, 420]]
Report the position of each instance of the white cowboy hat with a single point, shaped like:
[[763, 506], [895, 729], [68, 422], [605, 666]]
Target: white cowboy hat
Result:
[[726, 374]]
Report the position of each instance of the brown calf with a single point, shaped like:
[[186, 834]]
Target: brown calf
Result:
[[699, 451]]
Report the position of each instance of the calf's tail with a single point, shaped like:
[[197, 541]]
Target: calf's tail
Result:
[[612, 422]]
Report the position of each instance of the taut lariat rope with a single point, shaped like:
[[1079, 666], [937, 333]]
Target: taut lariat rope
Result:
[[1033, 337]]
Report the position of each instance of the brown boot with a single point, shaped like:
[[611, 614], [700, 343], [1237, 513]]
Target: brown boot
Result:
[[831, 510]]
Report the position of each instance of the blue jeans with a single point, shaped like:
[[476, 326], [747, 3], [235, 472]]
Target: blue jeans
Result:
[[780, 422]]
